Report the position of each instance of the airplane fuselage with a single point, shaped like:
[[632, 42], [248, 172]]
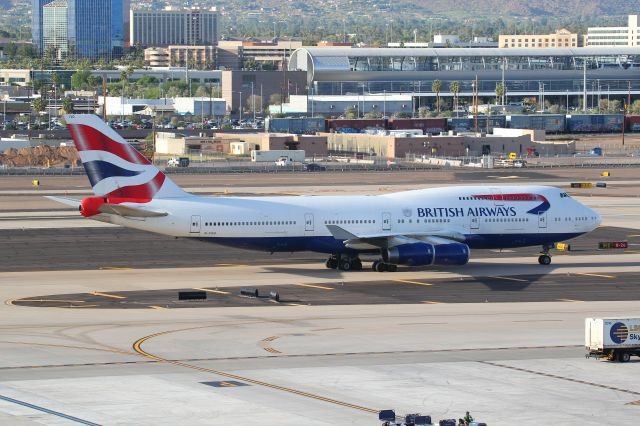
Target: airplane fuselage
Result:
[[481, 217]]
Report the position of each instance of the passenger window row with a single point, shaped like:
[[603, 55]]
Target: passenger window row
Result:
[[349, 222], [258, 223], [506, 219]]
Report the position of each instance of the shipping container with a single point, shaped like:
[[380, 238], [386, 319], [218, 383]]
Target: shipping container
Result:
[[308, 125], [594, 123], [633, 123], [427, 125], [614, 338], [552, 123], [354, 126]]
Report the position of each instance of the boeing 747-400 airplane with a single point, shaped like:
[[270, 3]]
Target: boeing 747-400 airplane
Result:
[[414, 228]]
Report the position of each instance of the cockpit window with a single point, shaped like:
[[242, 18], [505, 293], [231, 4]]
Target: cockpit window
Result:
[[564, 195]]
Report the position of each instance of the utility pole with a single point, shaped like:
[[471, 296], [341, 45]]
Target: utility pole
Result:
[[476, 101], [624, 110], [584, 85]]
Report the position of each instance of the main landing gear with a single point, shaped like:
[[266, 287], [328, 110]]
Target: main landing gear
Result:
[[380, 266], [344, 262], [545, 257]]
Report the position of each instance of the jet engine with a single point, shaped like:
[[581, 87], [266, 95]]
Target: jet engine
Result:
[[425, 254]]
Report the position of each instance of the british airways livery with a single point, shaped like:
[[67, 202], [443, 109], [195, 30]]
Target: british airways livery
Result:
[[414, 228]]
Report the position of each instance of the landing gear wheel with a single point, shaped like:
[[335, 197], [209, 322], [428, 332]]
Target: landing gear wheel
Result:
[[544, 259], [332, 263], [624, 357], [345, 265], [380, 267], [392, 268], [374, 265], [357, 265]]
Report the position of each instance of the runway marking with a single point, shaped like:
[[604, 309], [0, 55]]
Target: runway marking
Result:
[[314, 286], [553, 376], [116, 351], [230, 264], [433, 302], [137, 346], [225, 384], [570, 300], [115, 268], [511, 279], [412, 282], [51, 300], [46, 410], [113, 296], [212, 291], [80, 306], [266, 344], [156, 307], [594, 275]]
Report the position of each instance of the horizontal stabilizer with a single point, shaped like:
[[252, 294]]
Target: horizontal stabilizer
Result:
[[65, 200], [121, 210]]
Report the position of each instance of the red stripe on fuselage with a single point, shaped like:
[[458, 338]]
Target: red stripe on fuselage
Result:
[[87, 138], [512, 197]]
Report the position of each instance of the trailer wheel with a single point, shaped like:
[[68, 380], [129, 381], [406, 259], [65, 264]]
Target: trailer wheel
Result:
[[624, 356]]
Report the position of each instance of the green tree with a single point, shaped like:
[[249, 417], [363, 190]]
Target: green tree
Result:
[[500, 91], [67, 105], [373, 114], [81, 80], [436, 87], [454, 88], [350, 113], [38, 105]]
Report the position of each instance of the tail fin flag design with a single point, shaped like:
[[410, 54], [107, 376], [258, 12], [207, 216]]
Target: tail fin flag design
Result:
[[115, 169]]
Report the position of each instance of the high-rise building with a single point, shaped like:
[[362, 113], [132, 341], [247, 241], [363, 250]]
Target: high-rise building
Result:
[[55, 25], [161, 28], [615, 36], [36, 23], [95, 28]]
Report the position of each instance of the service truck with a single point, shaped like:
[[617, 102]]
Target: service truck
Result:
[[615, 339], [274, 155]]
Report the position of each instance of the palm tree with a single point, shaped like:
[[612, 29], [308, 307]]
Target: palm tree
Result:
[[500, 91], [436, 86], [454, 88], [67, 105]]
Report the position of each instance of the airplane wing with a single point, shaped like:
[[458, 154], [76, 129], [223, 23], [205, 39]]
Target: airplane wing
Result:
[[65, 200], [107, 208], [126, 211], [390, 239]]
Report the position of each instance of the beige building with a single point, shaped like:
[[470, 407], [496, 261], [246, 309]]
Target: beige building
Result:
[[614, 36], [562, 38], [311, 145], [199, 57], [267, 55]]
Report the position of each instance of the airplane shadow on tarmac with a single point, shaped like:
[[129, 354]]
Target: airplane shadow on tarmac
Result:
[[506, 280]]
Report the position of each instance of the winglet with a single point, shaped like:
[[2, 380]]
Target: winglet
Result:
[[340, 233]]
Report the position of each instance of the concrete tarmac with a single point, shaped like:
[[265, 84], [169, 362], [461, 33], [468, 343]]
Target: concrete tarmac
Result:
[[501, 337]]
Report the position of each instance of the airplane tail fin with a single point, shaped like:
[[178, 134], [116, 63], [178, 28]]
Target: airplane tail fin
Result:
[[115, 169]]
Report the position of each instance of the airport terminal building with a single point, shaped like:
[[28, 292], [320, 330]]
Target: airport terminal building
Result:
[[559, 73]]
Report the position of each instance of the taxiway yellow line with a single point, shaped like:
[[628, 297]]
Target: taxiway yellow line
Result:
[[511, 279], [156, 307], [594, 275], [115, 268], [412, 282], [50, 300], [230, 264], [137, 346], [113, 296], [570, 300], [433, 302], [314, 286], [208, 290]]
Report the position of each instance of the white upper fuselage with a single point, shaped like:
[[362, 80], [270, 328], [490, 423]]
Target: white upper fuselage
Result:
[[481, 216]]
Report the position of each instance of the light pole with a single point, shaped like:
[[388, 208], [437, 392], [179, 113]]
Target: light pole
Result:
[[253, 104], [384, 104]]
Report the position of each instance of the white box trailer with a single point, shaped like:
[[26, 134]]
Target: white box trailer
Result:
[[274, 155], [616, 339]]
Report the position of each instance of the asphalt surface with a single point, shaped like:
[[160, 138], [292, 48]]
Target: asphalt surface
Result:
[[521, 288], [105, 248]]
